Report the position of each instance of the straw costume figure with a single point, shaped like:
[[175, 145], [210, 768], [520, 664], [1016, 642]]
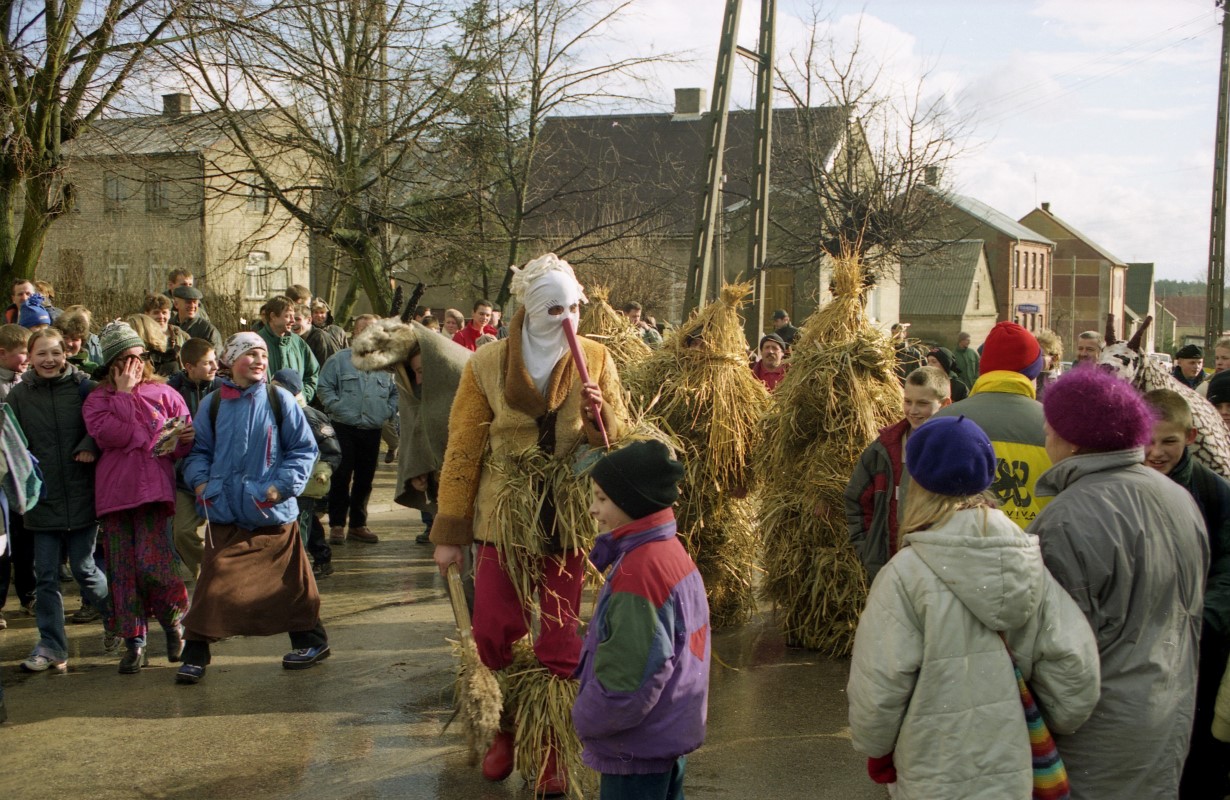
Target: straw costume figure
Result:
[[698, 388], [520, 424], [840, 390], [604, 324]]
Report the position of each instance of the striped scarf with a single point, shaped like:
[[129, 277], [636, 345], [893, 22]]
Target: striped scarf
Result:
[[1050, 775]]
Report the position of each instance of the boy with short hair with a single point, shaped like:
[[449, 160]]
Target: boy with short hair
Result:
[[13, 357], [644, 669], [74, 324], [196, 380], [1204, 773], [877, 487]]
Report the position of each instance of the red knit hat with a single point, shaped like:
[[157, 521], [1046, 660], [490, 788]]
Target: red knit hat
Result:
[[1010, 347]]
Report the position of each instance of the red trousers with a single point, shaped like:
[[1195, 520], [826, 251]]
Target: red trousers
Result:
[[500, 619]]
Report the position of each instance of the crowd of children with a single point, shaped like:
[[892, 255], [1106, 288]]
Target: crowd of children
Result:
[[187, 482]]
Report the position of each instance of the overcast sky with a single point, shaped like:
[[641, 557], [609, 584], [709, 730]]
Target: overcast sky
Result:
[[1104, 108]]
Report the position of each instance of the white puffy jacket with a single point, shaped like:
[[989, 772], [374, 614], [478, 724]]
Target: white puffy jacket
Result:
[[931, 681]]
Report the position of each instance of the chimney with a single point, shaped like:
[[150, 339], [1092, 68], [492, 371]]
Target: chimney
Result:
[[689, 104], [176, 103], [931, 176], [1046, 207]]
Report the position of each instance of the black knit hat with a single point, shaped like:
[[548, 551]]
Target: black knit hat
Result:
[[641, 478], [1190, 351], [1219, 388]]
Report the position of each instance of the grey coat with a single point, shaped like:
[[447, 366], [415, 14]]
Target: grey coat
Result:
[[49, 412], [1130, 546]]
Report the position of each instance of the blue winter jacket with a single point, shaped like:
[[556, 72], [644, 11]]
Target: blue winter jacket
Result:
[[353, 397], [644, 670], [247, 454]]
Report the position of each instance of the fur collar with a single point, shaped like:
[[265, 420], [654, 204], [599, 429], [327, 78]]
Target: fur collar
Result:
[[519, 389], [382, 344]]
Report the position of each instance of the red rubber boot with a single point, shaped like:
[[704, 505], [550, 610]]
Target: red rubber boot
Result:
[[498, 762], [554, 780]]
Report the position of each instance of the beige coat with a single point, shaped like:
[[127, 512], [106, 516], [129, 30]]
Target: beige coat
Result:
[[497, 412]]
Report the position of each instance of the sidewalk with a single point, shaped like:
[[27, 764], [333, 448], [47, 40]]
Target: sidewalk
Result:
[[369, 721]]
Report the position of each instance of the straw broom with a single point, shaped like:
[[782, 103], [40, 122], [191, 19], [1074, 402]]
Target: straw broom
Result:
[[479, 699], [840, 390], [604, 324], [706, 397]]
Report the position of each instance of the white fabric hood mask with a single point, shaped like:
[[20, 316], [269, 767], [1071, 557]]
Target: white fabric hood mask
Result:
[[545, 283]]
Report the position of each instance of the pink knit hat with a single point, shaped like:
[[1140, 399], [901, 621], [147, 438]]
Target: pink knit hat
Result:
[[1098, 412]]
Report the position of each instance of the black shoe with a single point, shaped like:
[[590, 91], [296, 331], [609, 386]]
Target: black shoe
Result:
[[4, 713], [134, 658], [175, 644], [424, 537]]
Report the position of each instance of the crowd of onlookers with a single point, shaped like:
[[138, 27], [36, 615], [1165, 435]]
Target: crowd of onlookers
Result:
[[1047, 543], [101, 422]]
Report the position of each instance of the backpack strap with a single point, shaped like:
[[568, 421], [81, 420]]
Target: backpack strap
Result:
[[275, 404]]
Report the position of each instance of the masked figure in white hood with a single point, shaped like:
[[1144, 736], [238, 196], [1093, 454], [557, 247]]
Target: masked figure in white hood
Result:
[[934, 701], [521, 421]]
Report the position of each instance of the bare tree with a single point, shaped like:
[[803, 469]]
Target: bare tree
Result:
[[869, 197], [361, 92], [65, 62], [532, 68]]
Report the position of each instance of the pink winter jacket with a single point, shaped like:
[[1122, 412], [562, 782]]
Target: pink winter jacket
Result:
[[125, 427]]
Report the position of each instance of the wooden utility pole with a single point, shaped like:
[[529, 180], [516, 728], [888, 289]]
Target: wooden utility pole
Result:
[[1215, 299], [701, 286], [702, 275], [762, 146]]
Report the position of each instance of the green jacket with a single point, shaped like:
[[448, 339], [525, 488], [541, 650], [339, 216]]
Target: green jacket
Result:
[[291, 352], [1212, 495], [967, 365]]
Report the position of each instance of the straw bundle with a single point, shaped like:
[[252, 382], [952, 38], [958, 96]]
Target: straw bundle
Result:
[[839, 392], [527, 480], [540, 704], [604, 324], [705, 396]]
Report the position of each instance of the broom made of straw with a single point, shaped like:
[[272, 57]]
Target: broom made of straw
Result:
[[479, 699]]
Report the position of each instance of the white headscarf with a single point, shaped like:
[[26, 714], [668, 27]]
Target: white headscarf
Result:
[[544, 283]]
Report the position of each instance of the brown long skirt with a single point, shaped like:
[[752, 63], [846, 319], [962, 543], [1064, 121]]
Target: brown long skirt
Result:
[[253, 583]]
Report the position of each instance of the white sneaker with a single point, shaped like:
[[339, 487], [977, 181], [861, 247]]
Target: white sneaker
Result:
[[41, 663]]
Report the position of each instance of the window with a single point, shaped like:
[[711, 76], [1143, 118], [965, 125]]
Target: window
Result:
[[157, 194], [113, 193], [262, 277], [1016, 268], [977, 295], [117, 270], [258, 197]]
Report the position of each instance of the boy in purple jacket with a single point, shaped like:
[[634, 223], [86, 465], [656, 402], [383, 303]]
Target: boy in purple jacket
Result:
[[644, 670]]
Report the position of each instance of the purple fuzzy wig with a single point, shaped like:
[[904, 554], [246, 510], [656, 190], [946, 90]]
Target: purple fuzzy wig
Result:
[[1098, 412]]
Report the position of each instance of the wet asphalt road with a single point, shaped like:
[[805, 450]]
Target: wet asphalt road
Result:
[[369, 722]]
